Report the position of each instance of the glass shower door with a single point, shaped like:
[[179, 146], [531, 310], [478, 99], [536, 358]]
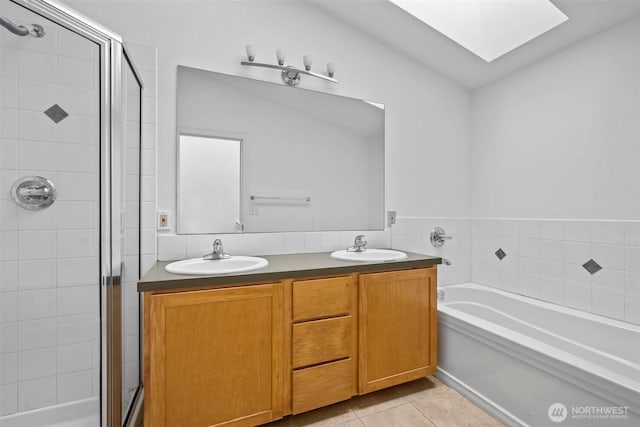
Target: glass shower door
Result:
[[50, 270], [131, 198]]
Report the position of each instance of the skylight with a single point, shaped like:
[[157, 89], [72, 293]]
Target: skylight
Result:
[[488, 28]]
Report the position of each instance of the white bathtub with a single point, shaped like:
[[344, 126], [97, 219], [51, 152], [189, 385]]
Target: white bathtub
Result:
[[516, 356]]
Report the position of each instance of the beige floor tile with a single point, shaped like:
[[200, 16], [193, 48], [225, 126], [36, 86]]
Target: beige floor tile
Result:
[[377, 401], [400, 416], [450, 409], [328, 416], [424, 402], [352, 423], [421, 388], [285, 422]]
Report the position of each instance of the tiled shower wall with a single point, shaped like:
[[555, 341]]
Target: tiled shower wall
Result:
[[49, 312], [49, 268], [545, 259]]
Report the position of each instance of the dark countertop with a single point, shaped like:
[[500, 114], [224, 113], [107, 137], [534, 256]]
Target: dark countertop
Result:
[[290, 266]]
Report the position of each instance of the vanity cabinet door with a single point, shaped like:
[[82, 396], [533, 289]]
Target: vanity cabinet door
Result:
[[214, 357], [397, 327]]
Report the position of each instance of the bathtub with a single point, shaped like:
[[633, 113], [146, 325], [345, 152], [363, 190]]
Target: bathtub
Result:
[[529, 362]]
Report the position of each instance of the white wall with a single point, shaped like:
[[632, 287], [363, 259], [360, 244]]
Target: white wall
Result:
[[559, 139], [554, 177], [427, 116]]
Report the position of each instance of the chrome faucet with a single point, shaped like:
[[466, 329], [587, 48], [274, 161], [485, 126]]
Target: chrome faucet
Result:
[[359, 245], [218, 251]]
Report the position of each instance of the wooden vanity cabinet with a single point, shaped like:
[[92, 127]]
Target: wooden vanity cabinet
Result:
[[250, 354], [214, 357], [397, 327]]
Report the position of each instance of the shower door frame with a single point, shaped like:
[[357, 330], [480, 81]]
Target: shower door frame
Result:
[[113, 56]]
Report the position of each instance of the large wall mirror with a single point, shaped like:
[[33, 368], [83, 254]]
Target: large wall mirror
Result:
[[263, 157]]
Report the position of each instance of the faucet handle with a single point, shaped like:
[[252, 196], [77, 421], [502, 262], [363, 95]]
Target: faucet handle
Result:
[[438, 236], [217, 251], [359, 245]]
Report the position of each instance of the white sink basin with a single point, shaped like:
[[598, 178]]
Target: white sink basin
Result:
[[234, 264], [370, 255]]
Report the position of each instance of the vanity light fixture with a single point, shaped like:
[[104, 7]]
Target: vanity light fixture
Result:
[[290, 75]]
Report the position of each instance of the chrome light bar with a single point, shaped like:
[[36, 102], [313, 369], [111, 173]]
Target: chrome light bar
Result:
[[290, 75]]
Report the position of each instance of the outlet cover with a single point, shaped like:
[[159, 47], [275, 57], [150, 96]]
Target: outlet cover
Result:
[[391, 218], [163, 220]]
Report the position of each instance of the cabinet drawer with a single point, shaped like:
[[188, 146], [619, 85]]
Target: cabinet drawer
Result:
[[314, 299], [322, 385], [321, 341]]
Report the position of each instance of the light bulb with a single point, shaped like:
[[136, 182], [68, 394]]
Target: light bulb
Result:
[[280, 56], [331, 69], [307, 60], [251, 52]]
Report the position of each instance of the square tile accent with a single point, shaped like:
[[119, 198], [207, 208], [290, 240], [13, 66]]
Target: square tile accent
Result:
[[500, 254], [56, 113], [592, 267]]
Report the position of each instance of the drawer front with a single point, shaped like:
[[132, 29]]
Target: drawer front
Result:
[[322, 385], [315, 299], [321, 341]]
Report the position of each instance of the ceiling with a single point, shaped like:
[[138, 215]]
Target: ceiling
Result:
[[402, 32]]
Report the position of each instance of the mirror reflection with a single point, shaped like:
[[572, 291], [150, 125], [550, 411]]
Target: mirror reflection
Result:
[[208, 184], [310, 161]]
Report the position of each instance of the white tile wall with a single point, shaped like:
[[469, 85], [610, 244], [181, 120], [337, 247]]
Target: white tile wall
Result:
[[145, 60], [37, 393], [174, 247], [545, 257], [412, 234], [48, 259]]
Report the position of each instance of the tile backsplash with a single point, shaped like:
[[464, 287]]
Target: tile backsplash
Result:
[[593, 266], [412, 234], [174, 247]]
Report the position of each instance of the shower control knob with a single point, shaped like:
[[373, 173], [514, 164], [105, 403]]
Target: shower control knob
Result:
[[438, 236], [33, 193]]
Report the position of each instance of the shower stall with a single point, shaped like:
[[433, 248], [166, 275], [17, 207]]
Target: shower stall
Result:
[[70, 160]]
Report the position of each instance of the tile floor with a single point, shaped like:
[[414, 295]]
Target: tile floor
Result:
[[425, 402]]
